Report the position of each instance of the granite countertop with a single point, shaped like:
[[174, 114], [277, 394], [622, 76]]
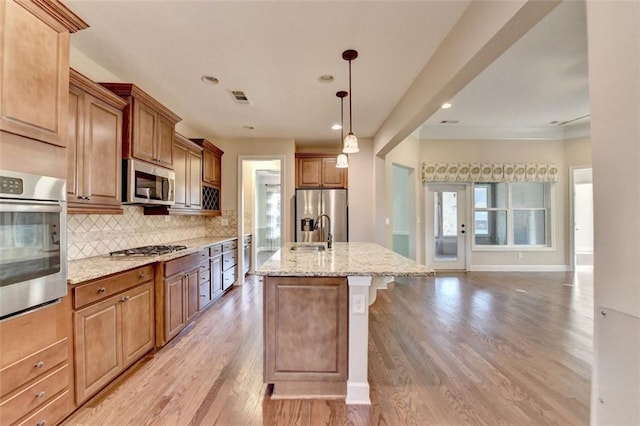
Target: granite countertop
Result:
[[82, 270], [344, 259]]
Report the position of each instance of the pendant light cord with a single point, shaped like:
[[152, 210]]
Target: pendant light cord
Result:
[[350, 96]]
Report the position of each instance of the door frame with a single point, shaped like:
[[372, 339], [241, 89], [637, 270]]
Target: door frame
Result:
[[429, 189], [572, 213], [411, 203]]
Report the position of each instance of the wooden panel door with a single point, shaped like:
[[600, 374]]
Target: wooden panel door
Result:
[[145, 128], [195, 180], [34, 74], [137, 323], [164, 142], [98, 348], [208, 166], [192, 286], [102, 152], [309, 172], [332, 177], [174, 304], [181, 158], [75, 145]]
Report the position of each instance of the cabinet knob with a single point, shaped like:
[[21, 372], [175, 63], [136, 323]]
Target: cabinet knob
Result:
[[80, 197], [102, 290], [124, 299], [141, 275], [40, 394], [41, 423], [39, 364]]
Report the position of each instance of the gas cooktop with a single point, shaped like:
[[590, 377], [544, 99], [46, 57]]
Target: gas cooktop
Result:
[[148, 250]]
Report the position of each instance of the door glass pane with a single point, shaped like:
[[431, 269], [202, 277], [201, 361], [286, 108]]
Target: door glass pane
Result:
[[529, 227], [490, 227], [490, 195], [527, 195], [446, 226]]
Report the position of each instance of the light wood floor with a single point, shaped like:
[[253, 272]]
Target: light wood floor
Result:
[[476, 348]]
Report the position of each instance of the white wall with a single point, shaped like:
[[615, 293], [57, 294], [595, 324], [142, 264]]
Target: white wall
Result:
[[361, 203]]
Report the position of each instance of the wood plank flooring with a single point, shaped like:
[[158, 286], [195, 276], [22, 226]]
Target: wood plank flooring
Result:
[[457, 349]]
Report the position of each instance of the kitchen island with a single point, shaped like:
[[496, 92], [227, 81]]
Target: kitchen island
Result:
[[316, 316]]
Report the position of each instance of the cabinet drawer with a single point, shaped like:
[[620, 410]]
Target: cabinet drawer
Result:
[[182, 264], [228, 260], [51, 413], [20, 372], [204, 255], [103, 288], [215, 250], [228, 278], [34, 396], [229, 245]]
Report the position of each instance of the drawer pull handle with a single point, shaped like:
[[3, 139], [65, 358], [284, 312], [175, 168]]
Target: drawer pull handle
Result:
[[41, 423], [102, 290], [40, 394], [124, 299], [39, 364], [141, 275]]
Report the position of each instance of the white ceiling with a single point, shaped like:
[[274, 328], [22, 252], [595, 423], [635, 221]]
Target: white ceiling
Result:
[[275, 51]]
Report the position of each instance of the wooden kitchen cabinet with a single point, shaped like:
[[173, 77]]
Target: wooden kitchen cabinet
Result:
[[229, 263], [178, 293], [34, 68], [36, 366], [113, 327], [319, 171], [211, 177], [188, 167], [148, 128], [94, 148]]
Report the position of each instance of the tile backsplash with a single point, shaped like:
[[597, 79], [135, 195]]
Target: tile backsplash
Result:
[[225, 225], [96, 235]]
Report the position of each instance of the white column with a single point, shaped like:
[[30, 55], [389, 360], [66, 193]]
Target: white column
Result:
[[358, 383]]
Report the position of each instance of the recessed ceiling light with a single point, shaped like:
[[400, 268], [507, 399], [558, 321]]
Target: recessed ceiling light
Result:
[[446, 105], [209, 79], [336, 127], [326, 78], [248, 127]]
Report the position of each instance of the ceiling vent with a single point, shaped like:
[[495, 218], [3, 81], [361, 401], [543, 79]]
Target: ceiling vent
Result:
[[240, 97]]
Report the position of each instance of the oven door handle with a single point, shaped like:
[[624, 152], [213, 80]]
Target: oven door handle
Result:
[[30, 207]]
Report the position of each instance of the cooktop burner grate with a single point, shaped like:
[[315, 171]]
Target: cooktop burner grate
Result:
[[148, 250]]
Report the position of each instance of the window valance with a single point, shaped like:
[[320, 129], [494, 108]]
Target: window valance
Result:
[[489, 172]]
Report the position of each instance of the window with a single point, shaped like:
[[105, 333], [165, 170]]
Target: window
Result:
[[511, 214]]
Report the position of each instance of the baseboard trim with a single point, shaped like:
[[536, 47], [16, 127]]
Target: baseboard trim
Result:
[[357, 393], [520, 268]]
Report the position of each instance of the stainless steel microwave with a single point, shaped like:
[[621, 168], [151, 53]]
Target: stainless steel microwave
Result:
[[33, 242], [147, 184]]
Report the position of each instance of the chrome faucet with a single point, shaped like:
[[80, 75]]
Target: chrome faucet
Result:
[[329, 234]]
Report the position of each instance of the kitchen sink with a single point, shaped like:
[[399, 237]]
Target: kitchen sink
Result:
[[308, 247]]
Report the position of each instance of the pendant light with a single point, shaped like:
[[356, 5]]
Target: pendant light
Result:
[[351, 141], [342, 162]]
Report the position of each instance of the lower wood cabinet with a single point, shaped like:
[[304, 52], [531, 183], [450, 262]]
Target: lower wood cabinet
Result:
[[36, 366], [113, 332], [216, 272]]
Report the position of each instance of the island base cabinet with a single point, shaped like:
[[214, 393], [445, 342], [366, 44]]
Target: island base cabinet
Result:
[[306, 336]]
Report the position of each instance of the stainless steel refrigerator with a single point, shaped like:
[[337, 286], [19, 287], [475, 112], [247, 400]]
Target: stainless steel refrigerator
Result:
[[311, 203]]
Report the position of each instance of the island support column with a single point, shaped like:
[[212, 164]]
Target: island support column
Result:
[[358, 383]]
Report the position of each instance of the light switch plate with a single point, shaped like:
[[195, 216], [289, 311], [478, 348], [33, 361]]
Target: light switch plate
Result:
[[224, 221]]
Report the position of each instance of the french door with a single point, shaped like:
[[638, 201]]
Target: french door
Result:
[[446, 226]]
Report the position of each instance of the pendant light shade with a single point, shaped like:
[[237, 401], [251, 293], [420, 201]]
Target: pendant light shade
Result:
[[350, 145], [342, 161]]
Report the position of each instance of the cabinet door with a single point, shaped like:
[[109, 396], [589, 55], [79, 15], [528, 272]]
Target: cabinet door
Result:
[[309, 172], [174, 320], [137, 323], [102, 152], [98, 348], [332, 177], [195, 180], [75, 147], [192, 286], [164, 142], [208, 166], [181, 156], [34, 74], [216, 276], [145, 125]]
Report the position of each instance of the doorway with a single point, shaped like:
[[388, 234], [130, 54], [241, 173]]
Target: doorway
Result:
[[446, 229], [582, 216], [403, 214]]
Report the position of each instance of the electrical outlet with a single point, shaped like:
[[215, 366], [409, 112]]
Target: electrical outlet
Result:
[[387, 221], [520, 255], [167, 218], [358, 304], [193, 218], [224, 221]]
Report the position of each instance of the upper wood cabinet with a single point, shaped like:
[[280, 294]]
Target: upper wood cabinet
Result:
[[148, 128], [187, 158], [94, 147], [34, 68], [319, 171], [211, 177]]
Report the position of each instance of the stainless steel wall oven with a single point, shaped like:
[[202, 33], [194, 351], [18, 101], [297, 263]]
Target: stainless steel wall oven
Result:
[[33, 241]]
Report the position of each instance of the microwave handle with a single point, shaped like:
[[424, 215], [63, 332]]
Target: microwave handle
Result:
[[168, 185], [21, 206]]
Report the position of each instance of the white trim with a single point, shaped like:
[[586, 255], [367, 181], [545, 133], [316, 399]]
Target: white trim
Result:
[[357, 393], [572, 212], [520, 268]]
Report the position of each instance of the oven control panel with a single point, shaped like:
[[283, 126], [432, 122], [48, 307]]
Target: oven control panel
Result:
[[10, 185]]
